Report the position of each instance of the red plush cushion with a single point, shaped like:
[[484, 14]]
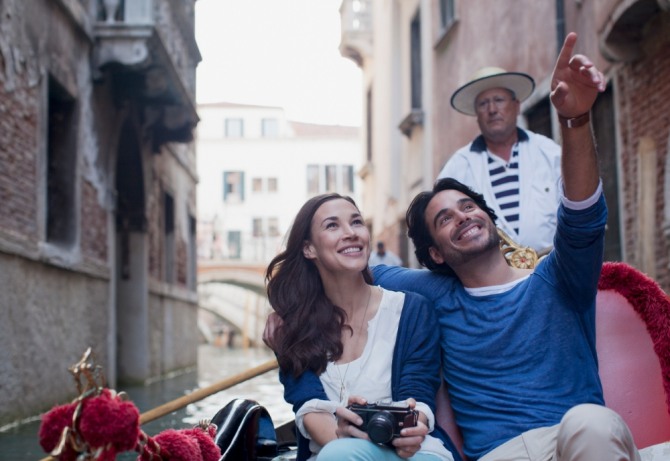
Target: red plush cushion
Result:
[[630, 370]]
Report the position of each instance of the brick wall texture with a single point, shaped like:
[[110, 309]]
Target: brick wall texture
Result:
[[644, 88], [18, 149]]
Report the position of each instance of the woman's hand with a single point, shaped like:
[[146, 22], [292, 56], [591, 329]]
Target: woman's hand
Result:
[[347, 420], [409, 442]]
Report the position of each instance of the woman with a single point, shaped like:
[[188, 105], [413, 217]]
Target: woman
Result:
[[339, 340]]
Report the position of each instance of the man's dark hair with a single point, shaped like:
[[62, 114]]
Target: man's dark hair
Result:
[[418, 230]]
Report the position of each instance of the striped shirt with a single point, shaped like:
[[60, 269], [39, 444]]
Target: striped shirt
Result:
[[505, 184]]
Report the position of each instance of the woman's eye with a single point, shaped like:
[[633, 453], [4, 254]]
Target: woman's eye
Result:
[[331, 225]]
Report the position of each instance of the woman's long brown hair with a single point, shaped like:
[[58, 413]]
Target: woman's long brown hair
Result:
[[309, 334]]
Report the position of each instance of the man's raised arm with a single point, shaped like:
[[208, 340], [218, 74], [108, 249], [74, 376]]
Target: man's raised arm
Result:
[[575, 84]]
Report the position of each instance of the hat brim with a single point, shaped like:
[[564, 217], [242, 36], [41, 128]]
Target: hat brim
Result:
[[463, 99]]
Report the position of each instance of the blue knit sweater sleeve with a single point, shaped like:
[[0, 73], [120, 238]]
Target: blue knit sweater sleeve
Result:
[[416, 361], [421, 281]]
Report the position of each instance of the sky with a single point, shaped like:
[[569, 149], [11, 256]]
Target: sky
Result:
[[281, 53]]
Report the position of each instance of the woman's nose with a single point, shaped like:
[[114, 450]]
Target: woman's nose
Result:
[[348, 230]]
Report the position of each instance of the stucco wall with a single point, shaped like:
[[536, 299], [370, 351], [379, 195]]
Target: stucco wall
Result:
[[174, 333], [48, 318], [518, 37]]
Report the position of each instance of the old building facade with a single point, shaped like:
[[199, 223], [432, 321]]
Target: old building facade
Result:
[[415, 53], [97, 194], [256, 169]]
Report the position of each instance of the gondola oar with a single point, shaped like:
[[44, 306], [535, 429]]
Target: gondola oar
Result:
[[200, 394]]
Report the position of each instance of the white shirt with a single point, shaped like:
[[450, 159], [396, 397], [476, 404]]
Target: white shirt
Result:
[[369, 375], [539, 174]]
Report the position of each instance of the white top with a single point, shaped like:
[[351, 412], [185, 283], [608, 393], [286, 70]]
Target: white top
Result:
[[369, 375]]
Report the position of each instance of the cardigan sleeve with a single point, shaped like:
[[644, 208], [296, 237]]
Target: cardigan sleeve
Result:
[[416, 360], [298, 390]]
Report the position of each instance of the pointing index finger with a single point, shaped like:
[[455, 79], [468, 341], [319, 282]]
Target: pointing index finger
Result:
[[565, 55]]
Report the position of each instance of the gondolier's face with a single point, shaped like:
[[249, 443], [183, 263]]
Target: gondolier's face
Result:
[[340, 240], [459, 228], [497, 110]]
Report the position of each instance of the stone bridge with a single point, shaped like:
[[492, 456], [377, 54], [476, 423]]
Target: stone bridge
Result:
[[234, 291]]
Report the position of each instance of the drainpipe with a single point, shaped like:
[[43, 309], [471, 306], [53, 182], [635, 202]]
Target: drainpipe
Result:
[[560, 25]]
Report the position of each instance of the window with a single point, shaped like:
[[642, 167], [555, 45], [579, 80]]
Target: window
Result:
[[338, 178], [257, 184], [272, 184], [415, 46], [368, 127], [193, 253], [234, 244], [257, 227], [273, 227], [269, 128], [234, 128], [347, 179], [446, 13], [331, 178], [169, 238], [61, 165], [233, 186], [538, 117], [312, 179], [604, 130]]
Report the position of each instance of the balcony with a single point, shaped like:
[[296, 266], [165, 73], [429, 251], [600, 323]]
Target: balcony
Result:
[[147, 49], [356, 21]]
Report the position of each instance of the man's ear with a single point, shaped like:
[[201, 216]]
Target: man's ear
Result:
[[435, 255], [308, 250]]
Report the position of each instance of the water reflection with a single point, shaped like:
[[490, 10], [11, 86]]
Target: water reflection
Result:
[[20, 443]]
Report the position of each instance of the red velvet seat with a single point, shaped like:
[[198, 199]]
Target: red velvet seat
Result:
[[633, 344]]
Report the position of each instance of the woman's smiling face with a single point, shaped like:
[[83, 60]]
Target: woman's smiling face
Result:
[[340, 240]]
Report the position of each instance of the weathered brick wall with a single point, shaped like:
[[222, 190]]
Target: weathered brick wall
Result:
[[18, 147], [94, 236], [644, 88], [56, 298]]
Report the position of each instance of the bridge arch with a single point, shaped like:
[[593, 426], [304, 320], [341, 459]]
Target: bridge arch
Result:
[[235, 292]]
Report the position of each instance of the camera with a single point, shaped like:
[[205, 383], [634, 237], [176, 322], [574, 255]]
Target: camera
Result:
[[383, 421]]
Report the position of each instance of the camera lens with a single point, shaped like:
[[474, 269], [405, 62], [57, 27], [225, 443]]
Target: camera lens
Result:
[[380, 427]]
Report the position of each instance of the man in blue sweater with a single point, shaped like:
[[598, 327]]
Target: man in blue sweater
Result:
[[518, 346]]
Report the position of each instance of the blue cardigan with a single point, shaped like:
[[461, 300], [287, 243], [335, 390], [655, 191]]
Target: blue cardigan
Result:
[[415, 371]]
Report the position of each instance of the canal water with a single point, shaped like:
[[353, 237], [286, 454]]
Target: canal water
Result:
[[20, 442]]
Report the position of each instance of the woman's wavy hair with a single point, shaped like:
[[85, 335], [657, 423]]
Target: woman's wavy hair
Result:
[[418, 230], [309, 333]]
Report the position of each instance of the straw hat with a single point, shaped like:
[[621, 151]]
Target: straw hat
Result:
[[463, 99]]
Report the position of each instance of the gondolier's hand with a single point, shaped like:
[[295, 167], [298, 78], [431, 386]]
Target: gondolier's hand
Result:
[[409, 442], [347, 420]]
